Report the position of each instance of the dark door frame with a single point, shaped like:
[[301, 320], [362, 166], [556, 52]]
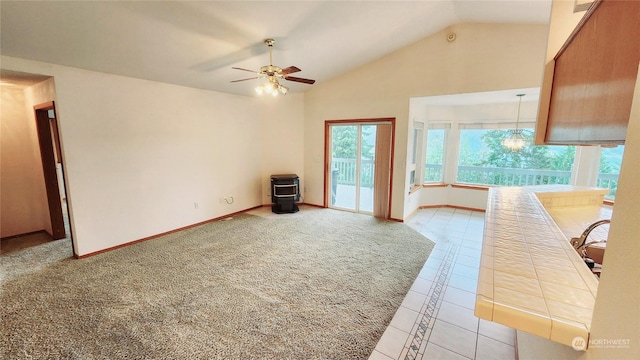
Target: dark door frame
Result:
[[48, 146]]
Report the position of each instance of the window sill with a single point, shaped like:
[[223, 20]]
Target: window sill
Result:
[[460, 186], [471, 187], [609, 202], [434, 185]]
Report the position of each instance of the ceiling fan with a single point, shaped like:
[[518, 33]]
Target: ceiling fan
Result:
[[273, 73]]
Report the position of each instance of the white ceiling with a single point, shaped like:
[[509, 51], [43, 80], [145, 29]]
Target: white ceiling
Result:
[[195, 43]]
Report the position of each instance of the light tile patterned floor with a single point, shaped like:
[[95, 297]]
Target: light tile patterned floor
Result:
[[435, 320]]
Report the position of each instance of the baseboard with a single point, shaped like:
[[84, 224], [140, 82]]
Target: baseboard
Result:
[[298, 203], [189, 227], [451, 206], [164, 233], [314, 205], [324, 207]]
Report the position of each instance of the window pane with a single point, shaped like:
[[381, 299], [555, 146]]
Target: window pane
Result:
[[484, 160], [435, 155], [417, 133], [610, 162]]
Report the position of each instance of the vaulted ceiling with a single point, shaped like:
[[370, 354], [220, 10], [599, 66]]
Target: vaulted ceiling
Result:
[[195, 43]]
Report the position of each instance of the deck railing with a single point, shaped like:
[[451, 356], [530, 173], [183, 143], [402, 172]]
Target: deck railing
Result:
[[516, 177], [608, 181], [345, 170], [511, 177]]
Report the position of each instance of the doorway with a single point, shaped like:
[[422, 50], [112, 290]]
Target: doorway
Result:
[[53, 169], [358, 165]]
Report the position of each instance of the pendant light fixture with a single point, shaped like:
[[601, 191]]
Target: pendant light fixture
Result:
[[515, 141]]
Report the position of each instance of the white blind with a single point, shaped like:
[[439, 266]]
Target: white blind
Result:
[[501, 125], [439, 125]]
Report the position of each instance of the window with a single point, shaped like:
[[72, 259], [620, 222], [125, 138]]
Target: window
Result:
[[483, 160], [416, 154], [436, 147], [609, 169]]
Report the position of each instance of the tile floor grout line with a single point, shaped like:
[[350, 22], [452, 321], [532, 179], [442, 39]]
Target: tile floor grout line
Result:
[[443, 229], [423, 331]]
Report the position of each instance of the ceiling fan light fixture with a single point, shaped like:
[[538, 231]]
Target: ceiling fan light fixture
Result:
[[269, 87], [272, 74], [273, 87]]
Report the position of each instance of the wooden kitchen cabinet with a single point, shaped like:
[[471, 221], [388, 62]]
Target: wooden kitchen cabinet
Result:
[[588, 87]]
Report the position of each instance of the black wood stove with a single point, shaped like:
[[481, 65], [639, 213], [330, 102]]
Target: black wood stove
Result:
[[285, 192]]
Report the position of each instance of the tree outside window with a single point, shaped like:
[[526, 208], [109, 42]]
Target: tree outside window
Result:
[[609, 170], [483, 160], [435, 155]]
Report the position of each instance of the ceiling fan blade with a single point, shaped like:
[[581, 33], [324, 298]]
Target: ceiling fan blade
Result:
[[253, 78], [297, 79], [289, 70], [237, 68]]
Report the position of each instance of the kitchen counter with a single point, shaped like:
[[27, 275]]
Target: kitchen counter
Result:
[[531, 278]]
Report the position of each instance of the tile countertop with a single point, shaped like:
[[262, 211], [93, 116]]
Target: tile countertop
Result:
[[573, 220], [531, 278]]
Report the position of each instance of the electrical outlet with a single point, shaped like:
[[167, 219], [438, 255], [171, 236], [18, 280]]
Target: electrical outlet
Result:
[[195, 205]]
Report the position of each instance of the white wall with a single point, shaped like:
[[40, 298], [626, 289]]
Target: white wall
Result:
[[484, 57], [140, 154], [453, 196]]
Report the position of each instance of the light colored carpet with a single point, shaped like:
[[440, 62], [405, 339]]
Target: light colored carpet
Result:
[[319, 284]]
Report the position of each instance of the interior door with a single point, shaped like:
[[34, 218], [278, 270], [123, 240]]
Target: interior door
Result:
[[48, 154]]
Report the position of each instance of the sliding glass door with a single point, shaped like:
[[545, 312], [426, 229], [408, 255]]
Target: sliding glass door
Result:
[[353, 149]]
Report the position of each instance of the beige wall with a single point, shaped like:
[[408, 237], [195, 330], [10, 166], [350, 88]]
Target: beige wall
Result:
[[561, 24], [282, 140], [483, 57], [140, 154], [24, 206]]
